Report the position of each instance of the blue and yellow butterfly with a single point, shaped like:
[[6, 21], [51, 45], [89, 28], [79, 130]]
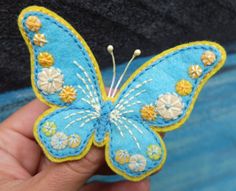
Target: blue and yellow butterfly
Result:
[[157, 97]]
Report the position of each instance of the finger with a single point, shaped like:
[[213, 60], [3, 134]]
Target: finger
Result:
[[23, 120], [69, 176], [121, 186]]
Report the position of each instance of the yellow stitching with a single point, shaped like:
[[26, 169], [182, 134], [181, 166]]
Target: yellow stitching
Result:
[[183, 87], [45, 59], [68, 94], [208, 58]]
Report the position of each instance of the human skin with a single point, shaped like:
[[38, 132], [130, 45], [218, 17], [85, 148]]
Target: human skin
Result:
[[24, 167]]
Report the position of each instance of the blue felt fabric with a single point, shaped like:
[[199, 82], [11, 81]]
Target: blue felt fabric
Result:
[[164, 74], [66, 49], [127, 131], [201, 155]]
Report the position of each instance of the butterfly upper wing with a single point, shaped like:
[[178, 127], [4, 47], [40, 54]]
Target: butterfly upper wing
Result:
[[163, 91], [65, 76], [54, 47]]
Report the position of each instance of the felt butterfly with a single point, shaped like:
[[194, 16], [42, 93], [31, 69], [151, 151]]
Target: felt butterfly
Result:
[[157, 97]]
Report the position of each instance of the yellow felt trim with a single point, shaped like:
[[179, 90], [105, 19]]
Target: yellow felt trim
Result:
[[66, 24], [104, 95], [202, 83], [138, 178]]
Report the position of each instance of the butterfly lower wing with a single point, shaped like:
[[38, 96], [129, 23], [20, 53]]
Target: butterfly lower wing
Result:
[[134, 150], [63, 67], [163, 91], [65, 134]]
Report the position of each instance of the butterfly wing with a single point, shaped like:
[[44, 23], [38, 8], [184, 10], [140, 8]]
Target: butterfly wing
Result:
[[65, 76], [158, 97], [134, 150], [163, 91], [58, 53]]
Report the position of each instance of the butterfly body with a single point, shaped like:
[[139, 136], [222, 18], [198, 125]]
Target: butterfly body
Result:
[[157, 97]]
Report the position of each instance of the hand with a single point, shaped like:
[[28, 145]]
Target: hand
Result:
[[23, 166]]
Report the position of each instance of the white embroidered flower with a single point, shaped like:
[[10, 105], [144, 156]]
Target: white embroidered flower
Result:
[[169, 106], [50, 80], [137, 163], [154, 152], [74, 140], [49, 128], [122, 156], [59, 141]]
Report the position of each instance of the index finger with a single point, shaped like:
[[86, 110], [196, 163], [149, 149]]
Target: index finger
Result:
[[22, 121]]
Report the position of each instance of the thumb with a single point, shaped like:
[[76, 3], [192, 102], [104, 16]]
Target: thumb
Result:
[[69, 176]]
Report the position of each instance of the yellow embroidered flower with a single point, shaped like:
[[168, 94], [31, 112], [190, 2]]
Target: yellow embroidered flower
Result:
[[137, 163], [195, 71], [183, 87], [33, 23], [154, 152], [59, 141], [208, 58], [74, 141], [39, 39], [49, 128], [148, 113], [45, 59], [68, 94], [122, 156]]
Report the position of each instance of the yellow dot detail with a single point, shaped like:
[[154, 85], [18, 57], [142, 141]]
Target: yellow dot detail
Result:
[[184, 87], [33, 23], [195, 71], [68, 94], [74, 141], [208, 58], [45, 59], [39, 39], [122, 156], [148, 113]]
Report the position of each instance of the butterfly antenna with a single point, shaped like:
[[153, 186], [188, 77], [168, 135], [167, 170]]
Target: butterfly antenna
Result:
[[110, 50], [137, 52]]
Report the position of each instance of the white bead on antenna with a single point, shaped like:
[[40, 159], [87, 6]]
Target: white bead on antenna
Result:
[[137, 52], [110, 48]]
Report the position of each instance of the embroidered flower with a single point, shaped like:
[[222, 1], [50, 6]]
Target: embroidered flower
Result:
[[45, 59], [68, 94], [39, 39], [49, 128], [169, 106], [183, 87], [33, 23], [74, 141], [137, 163], [208, 58], [59, 141], [154, 152], [195, 71], [50, 80], [148, 113], [122, 156]]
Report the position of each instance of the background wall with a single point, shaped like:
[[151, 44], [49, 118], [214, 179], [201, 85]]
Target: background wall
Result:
[[150, 25]]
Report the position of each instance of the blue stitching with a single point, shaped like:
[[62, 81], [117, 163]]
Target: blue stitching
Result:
[[95, 80]]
